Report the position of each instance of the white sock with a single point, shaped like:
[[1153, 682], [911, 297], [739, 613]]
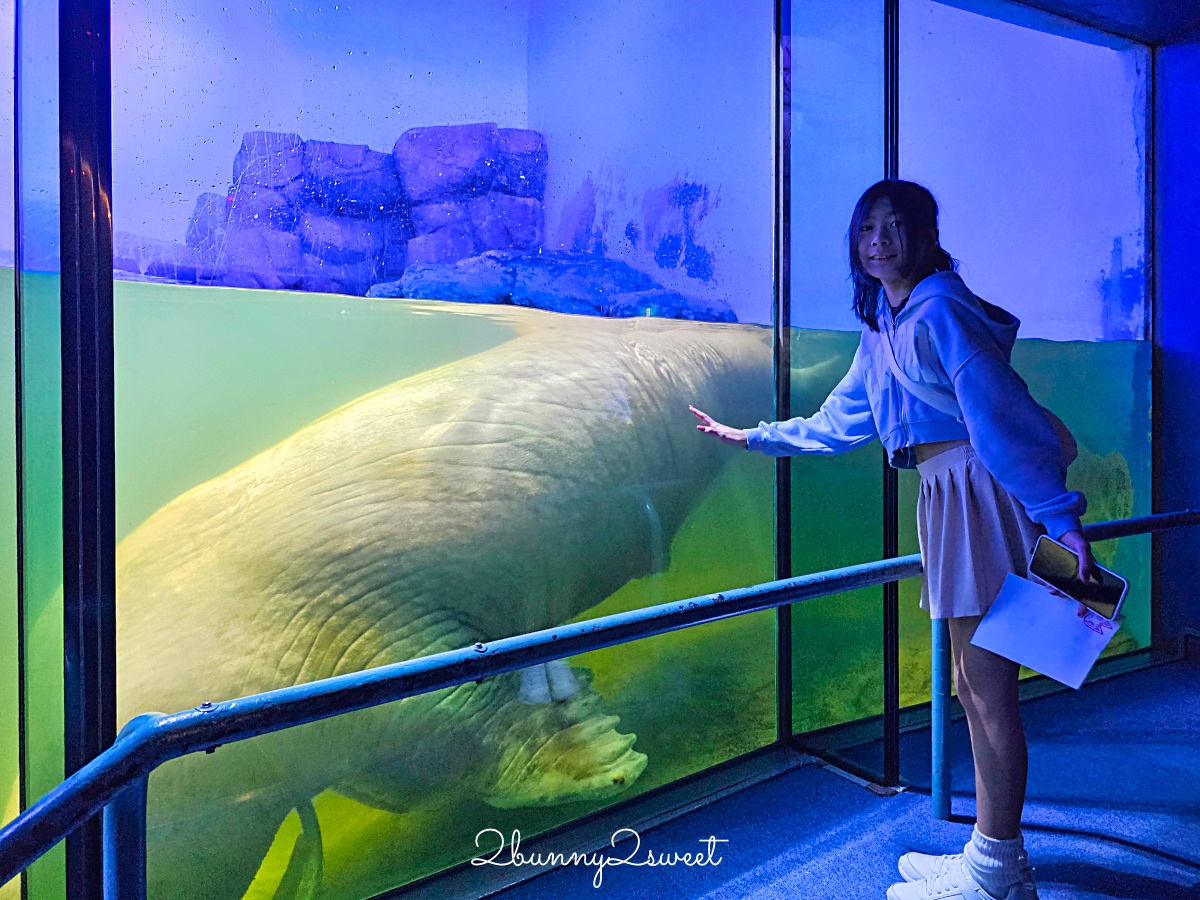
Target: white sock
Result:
[[995, 865]]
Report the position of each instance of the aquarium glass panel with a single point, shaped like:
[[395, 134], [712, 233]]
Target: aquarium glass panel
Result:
[[410, 307], [1031, 133], [37, 230], [836, 90]]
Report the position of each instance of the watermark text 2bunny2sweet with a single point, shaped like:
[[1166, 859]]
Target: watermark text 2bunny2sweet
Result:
[[515, 857]]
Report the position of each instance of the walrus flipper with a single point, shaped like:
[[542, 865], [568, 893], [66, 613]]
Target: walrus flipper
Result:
[[305, 871], [562, 752]]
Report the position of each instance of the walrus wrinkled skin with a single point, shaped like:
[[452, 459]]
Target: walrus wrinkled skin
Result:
[[504, 493]]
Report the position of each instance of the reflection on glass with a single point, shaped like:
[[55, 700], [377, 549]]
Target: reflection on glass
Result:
[[406, 333]]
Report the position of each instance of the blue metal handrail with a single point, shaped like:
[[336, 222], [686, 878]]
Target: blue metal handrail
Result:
[[117, 777], [152, 740]]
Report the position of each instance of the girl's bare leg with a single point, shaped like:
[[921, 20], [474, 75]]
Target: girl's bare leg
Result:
[[987, 689]]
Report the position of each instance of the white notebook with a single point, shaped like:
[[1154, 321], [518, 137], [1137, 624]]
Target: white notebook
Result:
[[1045, 630]]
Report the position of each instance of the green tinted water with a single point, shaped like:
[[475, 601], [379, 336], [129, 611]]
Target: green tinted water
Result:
[[207, 378], [41, 562]]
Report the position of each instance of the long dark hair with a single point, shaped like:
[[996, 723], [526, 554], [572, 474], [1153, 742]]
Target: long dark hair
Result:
[[916, 206]]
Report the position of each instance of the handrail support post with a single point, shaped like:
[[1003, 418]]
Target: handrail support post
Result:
[[939, 660], [125, 843]]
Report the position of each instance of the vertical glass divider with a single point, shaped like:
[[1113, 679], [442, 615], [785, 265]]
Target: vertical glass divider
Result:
[[783, 355], [85, 136], [891, 481]]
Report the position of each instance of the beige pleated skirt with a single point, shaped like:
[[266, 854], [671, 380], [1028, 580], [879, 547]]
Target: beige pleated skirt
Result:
[[972, 533]]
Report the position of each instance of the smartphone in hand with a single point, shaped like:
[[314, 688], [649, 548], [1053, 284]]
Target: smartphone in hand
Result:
[[1057, 567]]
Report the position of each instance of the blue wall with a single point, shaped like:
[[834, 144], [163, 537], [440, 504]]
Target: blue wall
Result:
[[1179, 333]]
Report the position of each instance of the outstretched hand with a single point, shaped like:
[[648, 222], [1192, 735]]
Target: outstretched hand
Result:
[[1087, 563], [723, 433]]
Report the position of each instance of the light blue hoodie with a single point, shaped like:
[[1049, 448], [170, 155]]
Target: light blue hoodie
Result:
[[946, 336]]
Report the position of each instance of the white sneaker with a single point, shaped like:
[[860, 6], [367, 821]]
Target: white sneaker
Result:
[[955, 883], [919, 866]]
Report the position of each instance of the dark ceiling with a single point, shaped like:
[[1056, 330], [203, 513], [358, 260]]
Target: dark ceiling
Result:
[[1153, 21]]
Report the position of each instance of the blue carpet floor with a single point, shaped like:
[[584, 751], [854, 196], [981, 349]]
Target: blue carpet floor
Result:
[[1113, 813]]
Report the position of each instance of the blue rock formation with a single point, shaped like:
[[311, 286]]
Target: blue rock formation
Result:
[[321, 215], [206, 230], [260, 258], [521, 161], [272, 160], [561, 282], [352, 180], [340, 239], [454, 212], [447, 161], [256, 206], [503, 221], [472, 188]]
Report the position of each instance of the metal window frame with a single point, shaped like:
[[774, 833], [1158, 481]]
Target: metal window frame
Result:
[[89, 546], [891, 477], [19, 426], [783, 356], [1160, 642]]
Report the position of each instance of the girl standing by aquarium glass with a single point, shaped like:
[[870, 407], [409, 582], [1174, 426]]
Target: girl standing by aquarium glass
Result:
[[932, 379]]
